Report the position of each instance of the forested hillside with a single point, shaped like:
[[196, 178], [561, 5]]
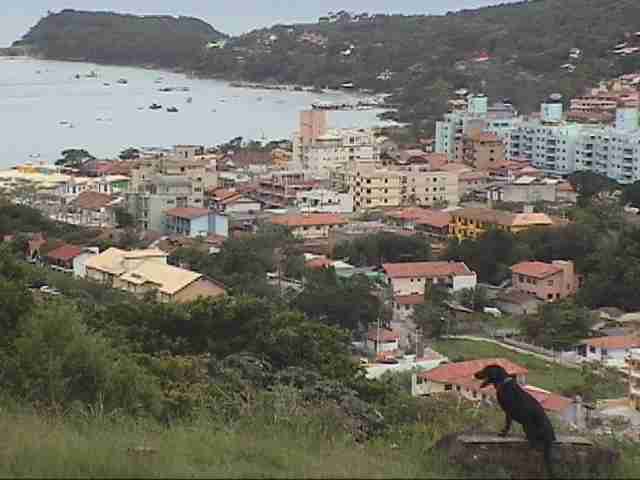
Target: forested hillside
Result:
[[107, 37], [513, 50]]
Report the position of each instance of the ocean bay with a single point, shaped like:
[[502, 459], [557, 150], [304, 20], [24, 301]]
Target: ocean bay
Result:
[[48, 106]]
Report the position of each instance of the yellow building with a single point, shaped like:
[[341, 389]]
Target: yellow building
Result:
[[141, 272], [373, 187], [473, 222]]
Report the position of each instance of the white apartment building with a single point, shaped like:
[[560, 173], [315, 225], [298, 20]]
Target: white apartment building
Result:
[[560, 147], [324, 201], [166, 182], [333, 149], [499, 119]]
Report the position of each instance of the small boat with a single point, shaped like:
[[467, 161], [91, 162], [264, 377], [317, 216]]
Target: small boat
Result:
[[34, 155], [165, 89], [92, 74], [106, 84], [172, 110], [64, 122], [77, 76], [155, 106], [189, 99], [123, 81]]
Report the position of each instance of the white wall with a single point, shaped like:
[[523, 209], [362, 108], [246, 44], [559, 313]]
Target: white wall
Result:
[[464, 281]]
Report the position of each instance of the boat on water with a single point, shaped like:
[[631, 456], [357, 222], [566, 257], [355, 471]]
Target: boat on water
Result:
[[172, 110], [106, 84], [123, 81], [165, 89], [189, 99], [155, 106]]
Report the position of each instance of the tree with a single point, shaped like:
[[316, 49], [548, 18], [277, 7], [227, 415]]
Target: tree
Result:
[[129, 154], [589, 185], [74, 157], [474, 298], [432, 316], [124, 219], [346, 303], [631, 195], [559, 325]]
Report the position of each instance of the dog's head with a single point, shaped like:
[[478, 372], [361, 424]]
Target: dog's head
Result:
[[492, 375]]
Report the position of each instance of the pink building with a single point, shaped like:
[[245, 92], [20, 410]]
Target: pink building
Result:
[[313, 124], [546, 281]]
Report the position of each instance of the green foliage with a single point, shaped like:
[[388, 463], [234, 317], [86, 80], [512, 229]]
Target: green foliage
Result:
[[74, 157], [527, 42], [590, 185], [383, 247], [59, 361], [130, 153], [490, 256], [124, 219], [432, 316], [631, 195], [474, 298], [559, 325], [347, 303], [121, 39]]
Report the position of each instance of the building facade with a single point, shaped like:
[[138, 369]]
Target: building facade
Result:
[[160, 183], [473, 222], [546, 281], [312, 226], [412, 278]]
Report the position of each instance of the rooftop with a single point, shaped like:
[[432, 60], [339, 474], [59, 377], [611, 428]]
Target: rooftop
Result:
[[64, 253], [422, 216], [112, 260], [464, 371], [92, 200], [312, 219], [188, 213], [500, 217], [425, 269], [385, 335], [536, 269]]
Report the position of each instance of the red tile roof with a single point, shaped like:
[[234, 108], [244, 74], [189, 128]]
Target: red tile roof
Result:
[[64, 253], [318, 263], [536, 269], [92, 200], [614, 343], [550, 401], [462, 372], [422, 216], [187, 212], [425, 269], [385, 335], [312, 219]]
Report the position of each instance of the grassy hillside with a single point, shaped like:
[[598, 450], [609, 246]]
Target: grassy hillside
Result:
[[123, 39]]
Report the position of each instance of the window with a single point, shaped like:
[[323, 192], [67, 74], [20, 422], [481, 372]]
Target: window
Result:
[[448, 387], [550, 283]]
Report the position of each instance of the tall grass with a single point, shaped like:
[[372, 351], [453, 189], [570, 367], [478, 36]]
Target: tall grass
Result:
[[255, 447]]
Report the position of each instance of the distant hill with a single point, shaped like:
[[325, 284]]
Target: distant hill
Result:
[[106, 37], [512, 50]]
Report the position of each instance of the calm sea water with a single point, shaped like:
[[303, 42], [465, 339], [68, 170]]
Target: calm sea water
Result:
[[44, 109]]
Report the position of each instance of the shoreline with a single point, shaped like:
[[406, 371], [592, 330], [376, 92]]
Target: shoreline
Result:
[[235, 83]]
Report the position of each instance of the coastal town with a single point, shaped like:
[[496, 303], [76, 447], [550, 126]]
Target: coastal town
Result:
[[379, 239], [487, 169]]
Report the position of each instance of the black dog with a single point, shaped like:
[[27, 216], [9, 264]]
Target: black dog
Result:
[[520, 406]]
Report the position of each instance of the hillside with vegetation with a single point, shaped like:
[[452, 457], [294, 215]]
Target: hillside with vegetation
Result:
[[513, 51], [96, 382], [106, 37]]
